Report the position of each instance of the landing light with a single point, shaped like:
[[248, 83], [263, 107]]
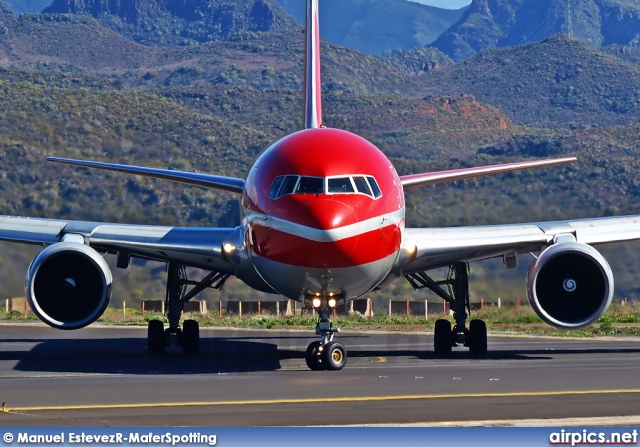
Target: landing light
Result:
[[317, 302], [410, 249], [332, 302], [229, 247]]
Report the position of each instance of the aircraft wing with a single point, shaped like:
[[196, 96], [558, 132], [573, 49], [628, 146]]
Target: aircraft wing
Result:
[[231, 184], [438, 247], [198, 247], [413, 181]]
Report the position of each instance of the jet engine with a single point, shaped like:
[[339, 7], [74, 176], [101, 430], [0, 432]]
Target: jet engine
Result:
[[68, 285], [570, 285]]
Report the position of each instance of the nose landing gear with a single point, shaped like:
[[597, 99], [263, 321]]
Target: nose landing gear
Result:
[[325, 354]]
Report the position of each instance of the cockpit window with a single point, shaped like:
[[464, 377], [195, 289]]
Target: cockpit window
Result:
[[288, 185], [339, 185], [275, 186], [310, 185], [362, 185], [348, 184], [374, 186]]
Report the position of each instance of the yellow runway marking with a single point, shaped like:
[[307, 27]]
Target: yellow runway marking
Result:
[[322, 400]]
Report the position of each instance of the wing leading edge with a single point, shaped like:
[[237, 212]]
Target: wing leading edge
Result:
[[433, 178], [437, 247], [197, 247], [231, 184]]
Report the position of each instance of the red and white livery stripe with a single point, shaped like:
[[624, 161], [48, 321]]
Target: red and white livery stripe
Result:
[[360, 243]]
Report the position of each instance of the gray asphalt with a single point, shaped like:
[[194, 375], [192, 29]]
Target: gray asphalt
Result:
[[102, 376]]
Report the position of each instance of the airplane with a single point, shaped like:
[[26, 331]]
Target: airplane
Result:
[[323, 223]]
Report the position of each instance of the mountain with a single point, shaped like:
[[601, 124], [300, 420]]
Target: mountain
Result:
[[28, 6], [626, 53], [355, 24], [558, 82], [374, 116], [6, 14], [502, 23], [180, 22], [417, 60], [68, 43], [77, 44], [376, 26]]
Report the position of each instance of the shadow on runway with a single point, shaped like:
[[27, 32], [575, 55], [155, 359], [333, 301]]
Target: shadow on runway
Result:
[[129, 356], [220, 354], [463, 353]]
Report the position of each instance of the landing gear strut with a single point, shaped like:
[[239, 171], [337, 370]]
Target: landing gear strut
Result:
[[187, 336], [325, 354], [446, 337]]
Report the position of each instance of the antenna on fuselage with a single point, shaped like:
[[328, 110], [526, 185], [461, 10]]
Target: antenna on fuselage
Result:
[[312, 86]]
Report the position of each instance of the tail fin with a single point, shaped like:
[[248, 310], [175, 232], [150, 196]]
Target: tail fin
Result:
[[312, 87]]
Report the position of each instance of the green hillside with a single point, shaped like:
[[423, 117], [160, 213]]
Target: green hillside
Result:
[[626, 53], [80, 45], [559, 82], [417, 60]]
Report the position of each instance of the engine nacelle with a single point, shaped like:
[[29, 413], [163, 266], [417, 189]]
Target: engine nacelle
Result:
[[68, 285], [570, 285]]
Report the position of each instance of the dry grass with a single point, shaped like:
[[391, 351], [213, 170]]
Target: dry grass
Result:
[[620, 319]]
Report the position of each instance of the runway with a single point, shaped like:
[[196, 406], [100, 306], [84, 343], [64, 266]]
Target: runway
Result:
[[102, 376]]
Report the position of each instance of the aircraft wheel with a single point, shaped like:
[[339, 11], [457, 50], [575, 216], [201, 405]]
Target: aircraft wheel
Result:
[[190, 337], [313, 356], [334, 356], [155, 337], [443, 337], [477, 337]]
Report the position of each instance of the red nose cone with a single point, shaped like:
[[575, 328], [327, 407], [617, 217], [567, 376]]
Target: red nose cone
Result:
[[326, 214], [329, 215]]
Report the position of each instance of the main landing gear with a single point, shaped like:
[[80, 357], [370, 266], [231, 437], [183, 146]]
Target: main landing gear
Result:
[[187, 336], [325, 354], [446, 337]]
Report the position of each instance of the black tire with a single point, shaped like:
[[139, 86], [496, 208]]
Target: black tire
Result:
[[313, 356], [156, 339], [334, 356], [190, 337], [442, 337], [477, 337]]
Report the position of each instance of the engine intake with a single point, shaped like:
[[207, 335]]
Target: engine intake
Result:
[[68, 285], [570, 285]]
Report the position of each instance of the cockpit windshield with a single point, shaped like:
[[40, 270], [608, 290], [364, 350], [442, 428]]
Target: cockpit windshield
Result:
[[339, 185], [346, 184], [310, 185]]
